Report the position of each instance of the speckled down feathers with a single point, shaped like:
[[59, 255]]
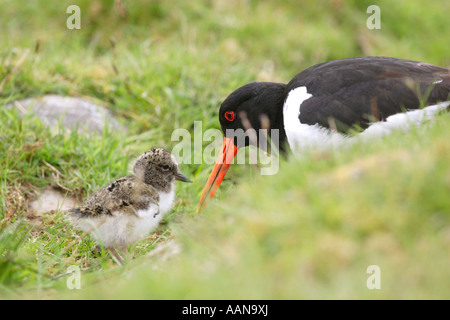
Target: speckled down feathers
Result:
[[126, 194], [130, 207]]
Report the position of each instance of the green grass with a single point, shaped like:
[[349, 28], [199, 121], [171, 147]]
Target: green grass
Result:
[[310, 231]]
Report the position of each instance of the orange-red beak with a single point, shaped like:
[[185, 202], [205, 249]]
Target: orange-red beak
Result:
[[225, 158]]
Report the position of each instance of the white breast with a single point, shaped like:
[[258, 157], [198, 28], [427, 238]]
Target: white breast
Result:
[[302, 136], [166, 201]]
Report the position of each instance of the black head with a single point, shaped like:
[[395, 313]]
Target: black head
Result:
[[158, 168], [257, 105]]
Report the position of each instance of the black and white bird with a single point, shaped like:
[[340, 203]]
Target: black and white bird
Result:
[[321, 104], [130, 207]]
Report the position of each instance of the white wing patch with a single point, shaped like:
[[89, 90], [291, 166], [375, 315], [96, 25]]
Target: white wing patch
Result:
[[302, 136], [403, 121]]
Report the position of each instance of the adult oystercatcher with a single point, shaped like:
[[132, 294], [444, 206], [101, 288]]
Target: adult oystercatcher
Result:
[[130, 207], [322, 103]]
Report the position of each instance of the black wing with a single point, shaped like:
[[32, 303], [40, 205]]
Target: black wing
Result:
[[358, 91]]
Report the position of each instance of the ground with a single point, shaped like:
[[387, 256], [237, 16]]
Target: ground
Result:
[[310, 231]]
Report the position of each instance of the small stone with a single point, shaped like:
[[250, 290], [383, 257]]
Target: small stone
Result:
[[70, 112], [50, 199]]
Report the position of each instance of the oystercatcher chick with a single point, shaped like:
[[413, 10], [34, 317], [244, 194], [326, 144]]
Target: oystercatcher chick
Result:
[[130, 207], [322, 104]]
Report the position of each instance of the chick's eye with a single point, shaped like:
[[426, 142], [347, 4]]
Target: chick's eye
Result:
[[164, 166], [229, 115]]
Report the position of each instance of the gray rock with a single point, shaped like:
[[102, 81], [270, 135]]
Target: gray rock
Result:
[[50, 199], [70, 112]]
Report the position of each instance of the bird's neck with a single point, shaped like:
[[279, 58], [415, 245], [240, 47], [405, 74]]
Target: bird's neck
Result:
[[160, 185], [166, 200], [164, 187], [272, 102]]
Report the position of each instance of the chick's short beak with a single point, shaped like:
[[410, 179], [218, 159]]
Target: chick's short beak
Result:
[[181, 177]]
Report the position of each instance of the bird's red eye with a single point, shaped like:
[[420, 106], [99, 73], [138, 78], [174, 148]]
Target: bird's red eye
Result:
[[229, 115]]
